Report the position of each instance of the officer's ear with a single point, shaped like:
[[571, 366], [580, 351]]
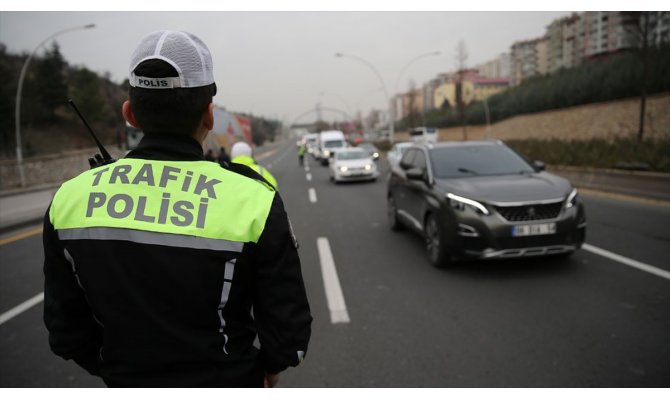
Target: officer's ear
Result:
[[208, 117], [127, 112]]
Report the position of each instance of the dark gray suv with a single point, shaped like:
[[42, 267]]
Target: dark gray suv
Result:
[[482, 200]]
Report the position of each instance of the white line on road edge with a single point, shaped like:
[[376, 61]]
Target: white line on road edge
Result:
[[336, 305], [312, 195], [625, 260], [21, 308], [308, 176]]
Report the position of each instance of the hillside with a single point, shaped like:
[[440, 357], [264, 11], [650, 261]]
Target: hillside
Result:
[[607, 120]]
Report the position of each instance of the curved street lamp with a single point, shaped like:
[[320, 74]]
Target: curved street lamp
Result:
[[388, 100], [17, 112], [417, 58], [395, 88], [339, 97], [386, 94]]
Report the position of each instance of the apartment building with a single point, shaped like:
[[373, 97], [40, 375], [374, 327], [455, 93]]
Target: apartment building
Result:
[[606, 32], [565, 43], [528, 58], [429, 94], [474, 88], [499, 67]]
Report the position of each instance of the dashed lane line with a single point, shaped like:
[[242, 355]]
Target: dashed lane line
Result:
[[331, 283], [312, 195], [21, 308]]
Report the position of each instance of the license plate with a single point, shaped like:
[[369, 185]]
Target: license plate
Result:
[[534, 229]]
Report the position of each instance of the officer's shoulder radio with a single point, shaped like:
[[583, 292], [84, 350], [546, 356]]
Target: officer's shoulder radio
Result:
[[98, 159]]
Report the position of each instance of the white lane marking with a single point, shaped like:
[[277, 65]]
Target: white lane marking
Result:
[[308, 176], [628, 261], [331, 282], [312, 195], [306, 168], [21, 308]]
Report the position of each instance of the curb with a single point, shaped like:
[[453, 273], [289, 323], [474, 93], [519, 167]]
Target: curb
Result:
[[38, 188]]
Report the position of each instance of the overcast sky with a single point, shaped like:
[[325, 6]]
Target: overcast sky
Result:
[[280, 64]]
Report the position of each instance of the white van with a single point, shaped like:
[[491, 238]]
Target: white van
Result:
[[423, 134], [330, 142]]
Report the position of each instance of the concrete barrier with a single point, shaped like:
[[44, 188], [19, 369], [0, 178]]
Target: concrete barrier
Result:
[[652, 185], [51, 170]]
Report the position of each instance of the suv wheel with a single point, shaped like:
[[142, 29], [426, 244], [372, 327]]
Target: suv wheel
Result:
[[436, 248], [392, 212]]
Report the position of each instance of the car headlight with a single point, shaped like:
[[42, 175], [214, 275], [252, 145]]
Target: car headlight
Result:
[[459, 203], [343, 169], [326, 153], [375, 155], [368, 167], [571, 201]]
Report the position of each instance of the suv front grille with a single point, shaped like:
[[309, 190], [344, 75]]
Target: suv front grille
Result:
[[530, 212]]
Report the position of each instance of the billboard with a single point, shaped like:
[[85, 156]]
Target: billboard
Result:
[[228, 129]]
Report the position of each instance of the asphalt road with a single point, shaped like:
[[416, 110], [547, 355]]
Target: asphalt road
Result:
[[585, 321]]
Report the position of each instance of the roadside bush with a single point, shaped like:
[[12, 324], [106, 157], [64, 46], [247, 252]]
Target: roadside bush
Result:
[[651, 155]]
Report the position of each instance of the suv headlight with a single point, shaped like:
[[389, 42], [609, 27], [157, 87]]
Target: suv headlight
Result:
[[459, 203], [343, 168], [571, 201]]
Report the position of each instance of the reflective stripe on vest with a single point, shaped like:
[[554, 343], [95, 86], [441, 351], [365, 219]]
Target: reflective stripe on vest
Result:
[[192, 199]]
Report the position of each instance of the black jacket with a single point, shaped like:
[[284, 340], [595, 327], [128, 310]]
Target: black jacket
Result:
[[150, 315]]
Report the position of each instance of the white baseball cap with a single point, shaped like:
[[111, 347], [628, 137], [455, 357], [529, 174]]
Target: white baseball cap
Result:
[[184, 51]]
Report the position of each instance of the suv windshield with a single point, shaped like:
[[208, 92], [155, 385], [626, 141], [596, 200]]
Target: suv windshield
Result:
[[462, 161]]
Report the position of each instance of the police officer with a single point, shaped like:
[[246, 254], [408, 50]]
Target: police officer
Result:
[[154, 263], [301, 154], [241, 153]]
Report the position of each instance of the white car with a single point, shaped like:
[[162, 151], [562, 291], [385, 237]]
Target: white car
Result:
[[352, 164], [395, 154]]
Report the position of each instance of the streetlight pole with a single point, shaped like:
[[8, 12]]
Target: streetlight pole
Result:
[[17, 111], [395, 88], [488, 117], [388, 100], [386, 94], [434, 53]]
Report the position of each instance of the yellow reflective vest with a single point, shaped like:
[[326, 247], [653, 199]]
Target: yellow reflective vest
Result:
[[185, 198], [249, 162]]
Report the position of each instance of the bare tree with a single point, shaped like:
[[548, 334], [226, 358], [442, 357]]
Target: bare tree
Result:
[[643, 28], [461, 58], [412, 106]]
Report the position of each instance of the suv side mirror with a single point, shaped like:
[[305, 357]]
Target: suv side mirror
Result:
[[538, 165], [415, 174]]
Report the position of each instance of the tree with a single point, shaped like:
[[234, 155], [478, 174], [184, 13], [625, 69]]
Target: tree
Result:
[[49, 81], [412, 106], [461, 58], [87, 93], [8, 84], [644, 27]]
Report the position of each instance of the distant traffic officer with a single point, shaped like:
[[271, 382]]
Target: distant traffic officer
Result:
[[241, 153], [153, 264]]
